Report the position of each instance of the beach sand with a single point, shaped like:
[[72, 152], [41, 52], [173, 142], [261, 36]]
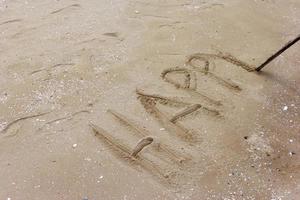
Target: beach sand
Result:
[[82, 82]]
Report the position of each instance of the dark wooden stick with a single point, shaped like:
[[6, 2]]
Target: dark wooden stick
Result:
[[285, 47]]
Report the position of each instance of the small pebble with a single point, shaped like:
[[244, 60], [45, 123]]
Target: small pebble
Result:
[[74, 145], [162, 129], [285, 108], [90, 103], [291, 153], [88, 159], [137, 12]]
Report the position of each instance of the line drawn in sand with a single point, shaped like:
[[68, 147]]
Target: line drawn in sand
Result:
[[141, 145], [189, 84], [10, 124], [174, 128], [124, 153], [159, 147], [208, 60], [170, 123], [64, 8], [185, 112]]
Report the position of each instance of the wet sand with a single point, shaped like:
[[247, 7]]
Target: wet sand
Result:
[[219, 130]]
